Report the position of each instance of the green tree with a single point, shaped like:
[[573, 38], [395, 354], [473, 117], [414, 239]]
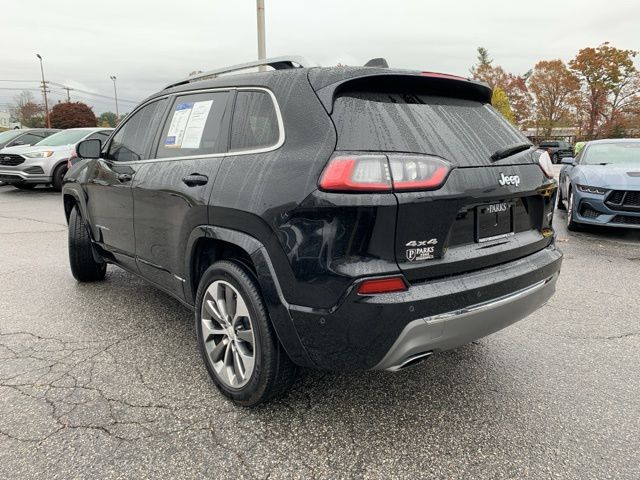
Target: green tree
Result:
[[107, 119], [72, 115], [500, 102]]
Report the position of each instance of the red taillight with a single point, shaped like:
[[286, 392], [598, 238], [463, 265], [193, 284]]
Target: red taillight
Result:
[[382, 285], [363, 173], [377, 173]]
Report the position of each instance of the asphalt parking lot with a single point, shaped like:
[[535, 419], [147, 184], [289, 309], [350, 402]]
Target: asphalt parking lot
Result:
[[104, 381]]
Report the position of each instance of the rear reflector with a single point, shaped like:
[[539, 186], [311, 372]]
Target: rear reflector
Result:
[[382, 285], [377, 173]]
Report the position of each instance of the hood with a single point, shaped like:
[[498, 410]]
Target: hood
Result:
[[20, 149], [610, 176]]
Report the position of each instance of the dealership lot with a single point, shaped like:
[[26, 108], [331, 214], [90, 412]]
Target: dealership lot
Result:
[[104, 380]]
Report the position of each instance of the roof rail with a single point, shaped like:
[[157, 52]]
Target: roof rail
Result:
[[277, 63]]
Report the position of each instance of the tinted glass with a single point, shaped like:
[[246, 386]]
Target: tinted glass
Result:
[[255, 123], [66, 137], [549, 144], [195, 126], [621, 153], [27, 139], [462, 131], [102, 136], [133, 140]]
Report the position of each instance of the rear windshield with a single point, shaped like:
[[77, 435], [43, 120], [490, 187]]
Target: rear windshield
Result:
[[549, 144], [464, 132]]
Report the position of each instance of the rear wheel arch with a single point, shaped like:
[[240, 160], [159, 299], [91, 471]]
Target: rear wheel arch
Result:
[[209, 244]]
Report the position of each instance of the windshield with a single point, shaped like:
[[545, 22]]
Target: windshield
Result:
[[67, 137], [9, 135], [621, 153]]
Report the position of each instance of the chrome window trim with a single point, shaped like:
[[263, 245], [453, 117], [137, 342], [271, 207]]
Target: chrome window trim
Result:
[[230, 153]]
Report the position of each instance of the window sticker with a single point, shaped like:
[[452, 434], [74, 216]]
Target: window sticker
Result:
[[178, 125], [195, 125]]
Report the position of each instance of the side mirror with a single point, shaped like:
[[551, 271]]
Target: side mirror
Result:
[[567, 161], [89, 148]]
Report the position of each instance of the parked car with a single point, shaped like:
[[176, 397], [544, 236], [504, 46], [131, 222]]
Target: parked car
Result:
[[14, 138], [601, 186], [45, 162], [332, 218], [556, 149]]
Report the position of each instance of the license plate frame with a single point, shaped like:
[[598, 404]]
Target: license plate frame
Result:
[[494, 221]]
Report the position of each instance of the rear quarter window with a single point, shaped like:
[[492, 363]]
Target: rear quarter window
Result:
[[464, 132], [255, 122]]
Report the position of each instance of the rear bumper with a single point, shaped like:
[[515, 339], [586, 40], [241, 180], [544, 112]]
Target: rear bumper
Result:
[[384, 331], [451, 329]]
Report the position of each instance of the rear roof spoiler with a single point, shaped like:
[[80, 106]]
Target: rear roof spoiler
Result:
[[427, 83]]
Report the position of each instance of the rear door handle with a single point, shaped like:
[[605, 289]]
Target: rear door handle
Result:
[[124, 177], [195, 179]]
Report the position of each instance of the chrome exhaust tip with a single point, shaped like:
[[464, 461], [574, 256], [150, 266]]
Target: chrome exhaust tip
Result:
[[411, 361]]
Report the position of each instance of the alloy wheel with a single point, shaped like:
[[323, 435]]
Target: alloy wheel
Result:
[[227, 333]]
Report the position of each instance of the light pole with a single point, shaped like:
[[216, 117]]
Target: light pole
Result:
[[262, 51], [115, 94], [44, 92]]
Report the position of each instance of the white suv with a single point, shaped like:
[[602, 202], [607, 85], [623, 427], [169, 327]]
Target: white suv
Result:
[[45, 162]]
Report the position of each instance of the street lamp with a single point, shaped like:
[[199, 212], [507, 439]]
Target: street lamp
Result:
[[115, 94], [44, 92]]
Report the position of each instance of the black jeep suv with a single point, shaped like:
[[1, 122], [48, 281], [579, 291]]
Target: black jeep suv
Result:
[[334, 218]]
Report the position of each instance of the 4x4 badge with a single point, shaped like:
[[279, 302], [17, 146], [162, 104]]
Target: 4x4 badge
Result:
[[423, 249]]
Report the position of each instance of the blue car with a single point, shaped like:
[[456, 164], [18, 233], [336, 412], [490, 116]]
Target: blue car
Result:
[[601, 186]]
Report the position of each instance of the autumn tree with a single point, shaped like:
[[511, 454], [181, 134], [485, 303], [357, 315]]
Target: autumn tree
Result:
[[500, 101], [27, 111], [554, 87], [514, 87], [72, 115], [610, 84]]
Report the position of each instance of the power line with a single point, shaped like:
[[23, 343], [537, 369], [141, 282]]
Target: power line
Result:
[[65, 87]]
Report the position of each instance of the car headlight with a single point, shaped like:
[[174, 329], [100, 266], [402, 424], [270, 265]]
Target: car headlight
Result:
[[45, 154], [594, 190]]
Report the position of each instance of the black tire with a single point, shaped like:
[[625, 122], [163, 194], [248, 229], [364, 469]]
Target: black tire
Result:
[[83, 265], [58, 176], [555, 158], [572, 225], [560, 205], [25, 186], [273, 372]]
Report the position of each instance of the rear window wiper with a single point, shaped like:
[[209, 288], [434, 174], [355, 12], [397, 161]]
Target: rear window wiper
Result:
[[510, 150]]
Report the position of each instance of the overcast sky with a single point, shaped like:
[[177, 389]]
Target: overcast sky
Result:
[[149, 43]]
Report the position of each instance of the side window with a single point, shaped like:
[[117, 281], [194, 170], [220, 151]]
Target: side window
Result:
[[26, 139], [133, 140], [195, 126], [255, 123], [102, 136]]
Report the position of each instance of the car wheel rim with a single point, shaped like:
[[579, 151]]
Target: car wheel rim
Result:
[[227, 333]]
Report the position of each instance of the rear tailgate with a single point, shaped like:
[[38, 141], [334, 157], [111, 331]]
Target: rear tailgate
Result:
[[487, 212]]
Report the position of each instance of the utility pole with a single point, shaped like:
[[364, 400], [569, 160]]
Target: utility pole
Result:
[[68, 95], [115, 94], [262, 51], [44, 92]]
